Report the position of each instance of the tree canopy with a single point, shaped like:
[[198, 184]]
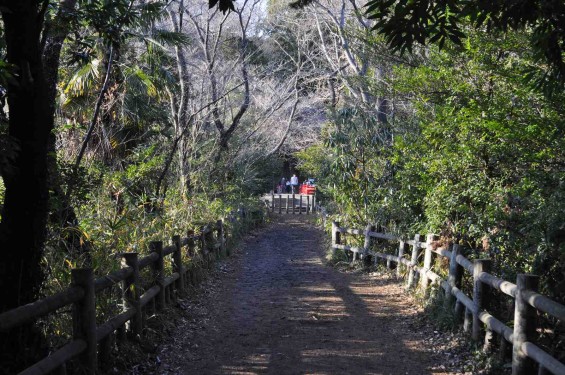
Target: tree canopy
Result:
[[408, 23]]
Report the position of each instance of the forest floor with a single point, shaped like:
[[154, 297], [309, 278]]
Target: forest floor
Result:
[[275, 307]]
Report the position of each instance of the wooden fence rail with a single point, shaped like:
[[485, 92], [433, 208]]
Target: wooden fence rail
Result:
[[91, 341], [527, 357], [290, 203]]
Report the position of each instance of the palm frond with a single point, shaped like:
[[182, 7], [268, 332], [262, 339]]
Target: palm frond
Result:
[[150, 12], [165, 38], [135, 73], [83, 79]]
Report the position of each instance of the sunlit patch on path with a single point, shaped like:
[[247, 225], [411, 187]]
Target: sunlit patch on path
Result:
[[275, 308]]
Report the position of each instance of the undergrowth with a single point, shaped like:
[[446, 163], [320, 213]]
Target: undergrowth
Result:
[[111, 227], [440, 312]]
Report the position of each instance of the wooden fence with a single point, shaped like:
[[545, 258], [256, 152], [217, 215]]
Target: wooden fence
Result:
[[93, 343], [527, 357], [290, 203]]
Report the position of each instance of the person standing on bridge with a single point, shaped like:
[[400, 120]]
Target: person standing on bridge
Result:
[[294, 183]]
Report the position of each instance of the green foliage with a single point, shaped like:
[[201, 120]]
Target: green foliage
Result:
[[484, 167], [6, 73], [488, 157], [84, 181], [406, 24], [402, 24], [314, 160], [138, 178]]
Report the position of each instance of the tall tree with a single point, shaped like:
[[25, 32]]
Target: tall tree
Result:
[[24, 215], [25, 208]]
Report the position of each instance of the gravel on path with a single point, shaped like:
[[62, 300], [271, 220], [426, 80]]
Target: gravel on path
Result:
[[274, 307]]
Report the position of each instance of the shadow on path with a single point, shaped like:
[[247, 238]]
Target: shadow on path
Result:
[[282, 311]]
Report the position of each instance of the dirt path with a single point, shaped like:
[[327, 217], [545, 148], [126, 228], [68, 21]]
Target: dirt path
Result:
[[275, 308]]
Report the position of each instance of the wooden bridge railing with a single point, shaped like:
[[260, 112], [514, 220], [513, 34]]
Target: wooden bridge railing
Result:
[[92, 343], [290, 203], [471, 309]]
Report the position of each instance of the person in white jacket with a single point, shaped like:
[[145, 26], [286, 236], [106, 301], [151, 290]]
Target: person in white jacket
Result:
[[294, 183]]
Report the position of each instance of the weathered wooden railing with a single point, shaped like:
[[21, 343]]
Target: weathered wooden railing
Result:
[[290, 203], [471, 309], [92, 343]]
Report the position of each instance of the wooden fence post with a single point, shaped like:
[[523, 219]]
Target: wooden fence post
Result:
[[287, 199], [191, 245], [226, 237], [314, 209], [84, 318], [221, 237], [454, 279], [307, 205], [524, 325], [131, 290], [480, 295], [503, 348], [148, 310], [159, 273], [210, 244], [467, 320], [402, 247], [168, 294], [280, 203], [300, 204], [461, 312], [215, 240], [177, 264], [367, 245], [105, 347], [191, 248], [293, 202], [428, 258], [412, 274], [272, 201], [336, 237], [203, 246]]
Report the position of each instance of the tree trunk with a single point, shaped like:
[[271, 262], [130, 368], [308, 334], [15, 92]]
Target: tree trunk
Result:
[[179, 104], [24, 215], [62, 213], [183, 166]]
